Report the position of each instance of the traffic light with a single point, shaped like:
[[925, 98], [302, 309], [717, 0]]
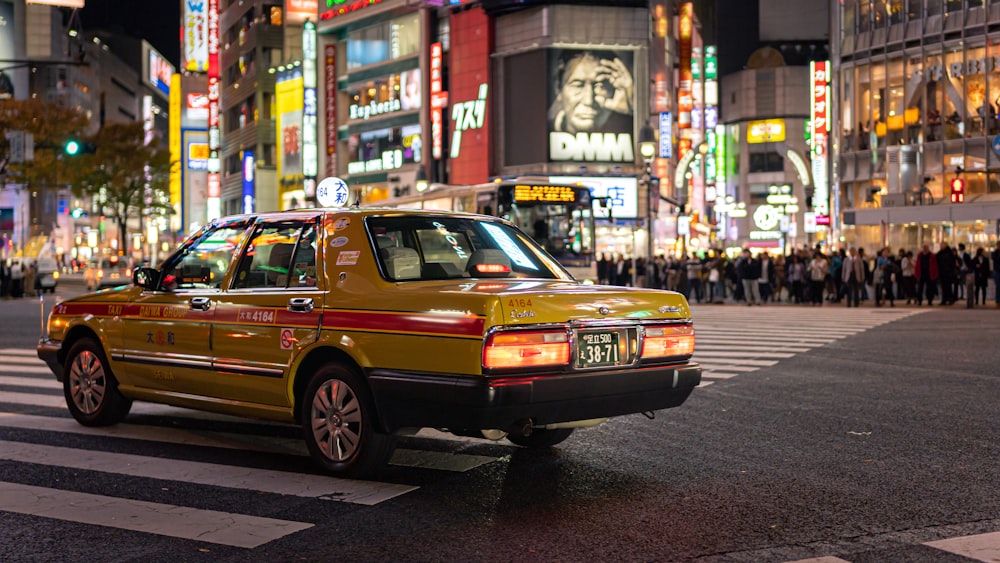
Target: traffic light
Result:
[[74, 147], [957, 190]]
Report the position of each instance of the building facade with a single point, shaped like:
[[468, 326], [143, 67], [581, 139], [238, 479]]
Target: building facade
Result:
[[472, 91], [917, 89]]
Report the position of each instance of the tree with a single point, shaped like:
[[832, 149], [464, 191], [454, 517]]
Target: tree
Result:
[[52, 125], [126, 176]]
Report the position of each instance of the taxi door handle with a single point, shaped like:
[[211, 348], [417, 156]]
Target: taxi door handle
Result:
[[200, 303], [300, 304]]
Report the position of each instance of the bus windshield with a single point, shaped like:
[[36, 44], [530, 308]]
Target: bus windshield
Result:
[[558, 217]]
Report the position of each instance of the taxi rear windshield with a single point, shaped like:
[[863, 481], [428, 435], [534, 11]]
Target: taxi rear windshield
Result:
[[443, 247]]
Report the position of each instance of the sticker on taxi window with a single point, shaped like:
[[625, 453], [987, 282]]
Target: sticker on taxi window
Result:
[[348, 257], [341, 223], [338, 242]]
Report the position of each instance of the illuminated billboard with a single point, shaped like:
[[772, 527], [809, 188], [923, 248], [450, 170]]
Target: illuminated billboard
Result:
[[158, 69], [289, 94], [621, 193], [591, 105], [195, 35], [820, 114], [685, 75], [766, 131], [298, 11], [469, 77]]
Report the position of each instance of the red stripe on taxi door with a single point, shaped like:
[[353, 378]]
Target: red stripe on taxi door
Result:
[[462, 325]]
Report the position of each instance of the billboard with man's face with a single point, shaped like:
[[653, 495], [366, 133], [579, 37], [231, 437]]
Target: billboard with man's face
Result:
[[592, 99]]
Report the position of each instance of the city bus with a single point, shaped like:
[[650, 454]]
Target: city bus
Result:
[[560, 217]]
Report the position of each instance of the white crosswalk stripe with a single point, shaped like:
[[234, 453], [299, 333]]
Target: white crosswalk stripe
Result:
[[733, 340], [25, 381], [978, 547]]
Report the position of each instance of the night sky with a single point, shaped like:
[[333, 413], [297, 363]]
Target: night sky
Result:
[[156, 21]]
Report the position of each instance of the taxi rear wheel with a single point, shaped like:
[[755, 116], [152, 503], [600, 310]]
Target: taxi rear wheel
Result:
[[90, 388], [541, 437], [339, 423]]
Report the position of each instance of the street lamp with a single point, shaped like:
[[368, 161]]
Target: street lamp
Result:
[[647, 149]]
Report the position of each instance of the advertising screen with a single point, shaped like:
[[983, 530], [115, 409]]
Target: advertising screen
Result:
[[160, 71], [469, 123], [298, 11], [591, 105], [622, 194], [195, 48], [289, 94]]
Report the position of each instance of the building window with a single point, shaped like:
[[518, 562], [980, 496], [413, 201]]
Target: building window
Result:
[[385, 41], [274, 15], [766, 160]]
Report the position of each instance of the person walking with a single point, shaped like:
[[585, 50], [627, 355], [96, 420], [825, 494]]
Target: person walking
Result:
[[819, 267], [908, 286], [946, 273], [766, 280], [981, 274], [925, 270], [693, 271], [602, 270], [4, 277], [17, 279], [853, 275], [965, 274], [995, 256], [748, 271], [796, 279]]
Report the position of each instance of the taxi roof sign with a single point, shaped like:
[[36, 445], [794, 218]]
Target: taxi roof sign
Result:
[[332, 192]]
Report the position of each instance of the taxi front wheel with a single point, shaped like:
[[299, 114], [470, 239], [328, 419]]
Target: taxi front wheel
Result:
[[339, 423], [90, 388]]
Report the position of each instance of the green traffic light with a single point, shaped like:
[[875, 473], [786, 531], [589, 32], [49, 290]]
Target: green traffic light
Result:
[[72, 148]]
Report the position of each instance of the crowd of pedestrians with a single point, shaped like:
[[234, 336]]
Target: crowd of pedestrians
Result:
[[18, 279], [815, 277]]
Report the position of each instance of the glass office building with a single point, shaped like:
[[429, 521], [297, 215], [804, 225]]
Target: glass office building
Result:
[[917, 98]]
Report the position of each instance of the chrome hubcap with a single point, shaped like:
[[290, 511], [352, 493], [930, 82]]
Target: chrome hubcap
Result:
[[87, 382], [336, 420]]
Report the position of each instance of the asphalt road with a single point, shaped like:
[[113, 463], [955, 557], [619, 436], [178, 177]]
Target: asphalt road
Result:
[[863, 449]]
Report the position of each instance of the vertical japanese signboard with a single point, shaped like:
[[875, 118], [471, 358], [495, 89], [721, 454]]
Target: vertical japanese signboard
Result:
[[214, 185], [310, 144], [195, 40], [685, 99], [330, 111], [820, 113], [469, 77], [439, 99]]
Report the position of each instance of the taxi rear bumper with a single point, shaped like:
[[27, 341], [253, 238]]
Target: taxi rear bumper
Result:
[[407, 399]]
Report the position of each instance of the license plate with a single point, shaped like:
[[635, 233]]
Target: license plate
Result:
[[597, 349]]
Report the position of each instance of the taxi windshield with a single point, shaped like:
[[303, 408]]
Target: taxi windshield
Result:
[[446, 247]]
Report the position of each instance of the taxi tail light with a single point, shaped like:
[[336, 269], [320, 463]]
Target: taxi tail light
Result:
[[668, 341], [504, 350]]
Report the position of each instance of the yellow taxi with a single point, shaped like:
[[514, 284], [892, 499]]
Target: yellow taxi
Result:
[[361, 325]]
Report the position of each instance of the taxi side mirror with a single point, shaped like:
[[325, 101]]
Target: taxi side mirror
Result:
[[145, 278]]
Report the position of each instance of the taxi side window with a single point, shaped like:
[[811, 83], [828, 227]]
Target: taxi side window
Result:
[[203, 265], [279, 256]]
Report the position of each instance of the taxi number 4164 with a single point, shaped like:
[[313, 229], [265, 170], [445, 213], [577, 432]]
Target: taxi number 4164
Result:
[[257, 316], [519, 303]]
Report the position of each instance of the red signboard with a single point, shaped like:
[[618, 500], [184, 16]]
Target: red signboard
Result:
[[685, 98], [469, 94], [820, 111], [436, 91], [330, 111]]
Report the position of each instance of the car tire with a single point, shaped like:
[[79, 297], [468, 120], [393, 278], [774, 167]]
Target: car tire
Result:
[[338, 421], [541, 437], [90, 388]]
